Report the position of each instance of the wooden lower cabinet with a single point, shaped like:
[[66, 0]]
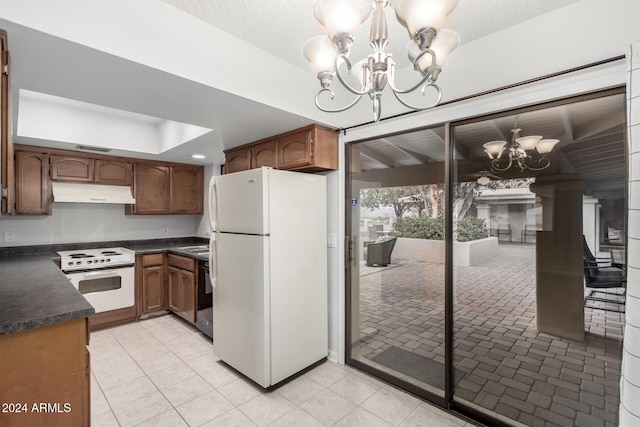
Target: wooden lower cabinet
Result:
[[152, 292], [45, 376], [182, 287]]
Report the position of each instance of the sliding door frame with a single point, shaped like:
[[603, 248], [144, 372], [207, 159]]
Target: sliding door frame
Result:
[[448, 402]]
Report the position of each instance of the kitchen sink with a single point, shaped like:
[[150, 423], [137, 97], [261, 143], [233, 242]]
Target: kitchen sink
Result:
[[202, 249]]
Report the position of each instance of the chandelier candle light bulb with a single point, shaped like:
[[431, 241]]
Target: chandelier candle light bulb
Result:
[[428, 50]]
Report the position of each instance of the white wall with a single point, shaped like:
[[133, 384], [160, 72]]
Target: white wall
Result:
[[630, 382], [76, 222]]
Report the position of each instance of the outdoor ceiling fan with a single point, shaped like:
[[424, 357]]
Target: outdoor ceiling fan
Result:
[[482, 177]]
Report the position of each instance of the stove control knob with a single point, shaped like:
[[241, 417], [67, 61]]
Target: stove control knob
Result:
[[108, 259], [70, 263], [102, 260], [89, 262], [78, 262]]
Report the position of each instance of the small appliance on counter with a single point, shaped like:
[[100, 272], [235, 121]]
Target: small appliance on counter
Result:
[[269, 272], [105, 277]]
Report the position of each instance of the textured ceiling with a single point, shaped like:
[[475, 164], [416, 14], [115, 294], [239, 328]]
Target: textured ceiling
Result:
[[281, 27]]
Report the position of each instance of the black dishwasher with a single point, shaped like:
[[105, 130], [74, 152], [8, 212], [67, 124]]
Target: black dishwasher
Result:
[[204, 317]]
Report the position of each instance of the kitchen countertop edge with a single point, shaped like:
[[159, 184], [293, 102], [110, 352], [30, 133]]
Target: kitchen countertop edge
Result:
[[35, 293]]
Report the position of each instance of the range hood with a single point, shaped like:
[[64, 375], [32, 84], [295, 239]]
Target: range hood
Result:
[[91, 193]]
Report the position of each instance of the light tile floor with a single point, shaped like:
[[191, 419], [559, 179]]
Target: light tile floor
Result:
[[161, 372]]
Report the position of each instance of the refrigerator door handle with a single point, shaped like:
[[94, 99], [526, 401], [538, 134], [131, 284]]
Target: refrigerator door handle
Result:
[[213, 204], [213, 267]]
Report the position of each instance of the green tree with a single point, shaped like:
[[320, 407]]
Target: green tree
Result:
[[400, 198]]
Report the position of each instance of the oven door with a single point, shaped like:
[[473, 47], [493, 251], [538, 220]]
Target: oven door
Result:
[[106, 290]]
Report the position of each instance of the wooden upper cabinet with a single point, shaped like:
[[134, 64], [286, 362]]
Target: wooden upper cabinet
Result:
[[33, 191], [238, 160], [68, 168], [312, 148], [265, 154], [152, 189], [110, 172], [187, 184], [295, 150]]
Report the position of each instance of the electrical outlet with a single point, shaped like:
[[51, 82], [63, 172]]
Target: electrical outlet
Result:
[[165, 231], [9, 236], [207, 230]]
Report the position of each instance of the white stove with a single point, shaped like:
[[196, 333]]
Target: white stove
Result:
[[91, 259], [105, 277]]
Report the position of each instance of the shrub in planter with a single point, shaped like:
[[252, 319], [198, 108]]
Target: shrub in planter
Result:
[[433, 228], [471, 229], [419, 228]]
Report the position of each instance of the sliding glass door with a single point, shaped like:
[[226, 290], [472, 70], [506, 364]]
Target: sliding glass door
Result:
[[396, 305], [492, 281], [536, 346]]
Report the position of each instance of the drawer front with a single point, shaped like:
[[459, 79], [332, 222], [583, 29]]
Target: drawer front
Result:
[[151, 259], [182, 262]]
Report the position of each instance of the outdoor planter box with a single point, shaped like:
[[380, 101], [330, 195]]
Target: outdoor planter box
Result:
[[466, 254]]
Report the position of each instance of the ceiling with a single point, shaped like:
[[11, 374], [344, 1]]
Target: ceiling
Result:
[[592, 144], [281, 27], [51, 65]]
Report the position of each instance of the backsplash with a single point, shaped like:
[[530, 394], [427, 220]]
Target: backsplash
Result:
[[75, 223]]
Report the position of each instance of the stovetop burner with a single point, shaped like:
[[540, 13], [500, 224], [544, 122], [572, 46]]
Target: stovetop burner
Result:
[[90, 259], [80, 256]]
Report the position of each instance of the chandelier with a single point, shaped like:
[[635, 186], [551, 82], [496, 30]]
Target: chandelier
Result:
[[521, 151], [428, 48]]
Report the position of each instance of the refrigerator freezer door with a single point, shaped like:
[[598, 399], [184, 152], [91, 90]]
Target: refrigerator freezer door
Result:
[[241, 204], [241, 305]]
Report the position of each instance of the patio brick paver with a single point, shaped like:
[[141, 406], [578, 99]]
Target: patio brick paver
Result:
[[534, 378]]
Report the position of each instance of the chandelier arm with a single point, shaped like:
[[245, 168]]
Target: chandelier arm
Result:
[[495, 165], [546, 164], [414, 107], [334, 110], [344, 83], [425, 80]]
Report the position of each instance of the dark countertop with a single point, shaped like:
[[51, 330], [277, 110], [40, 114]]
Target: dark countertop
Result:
[[170, 247], [34, 292]]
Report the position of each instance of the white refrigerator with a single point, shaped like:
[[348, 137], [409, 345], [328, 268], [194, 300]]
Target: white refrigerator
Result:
[[269, 272]]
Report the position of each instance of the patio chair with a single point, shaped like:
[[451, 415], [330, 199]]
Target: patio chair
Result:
[[378, 253], [504, 230], [529, 230], [598, 275]]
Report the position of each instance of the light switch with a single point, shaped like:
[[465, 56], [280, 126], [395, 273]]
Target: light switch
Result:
[[9, 236], [332, 240]]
